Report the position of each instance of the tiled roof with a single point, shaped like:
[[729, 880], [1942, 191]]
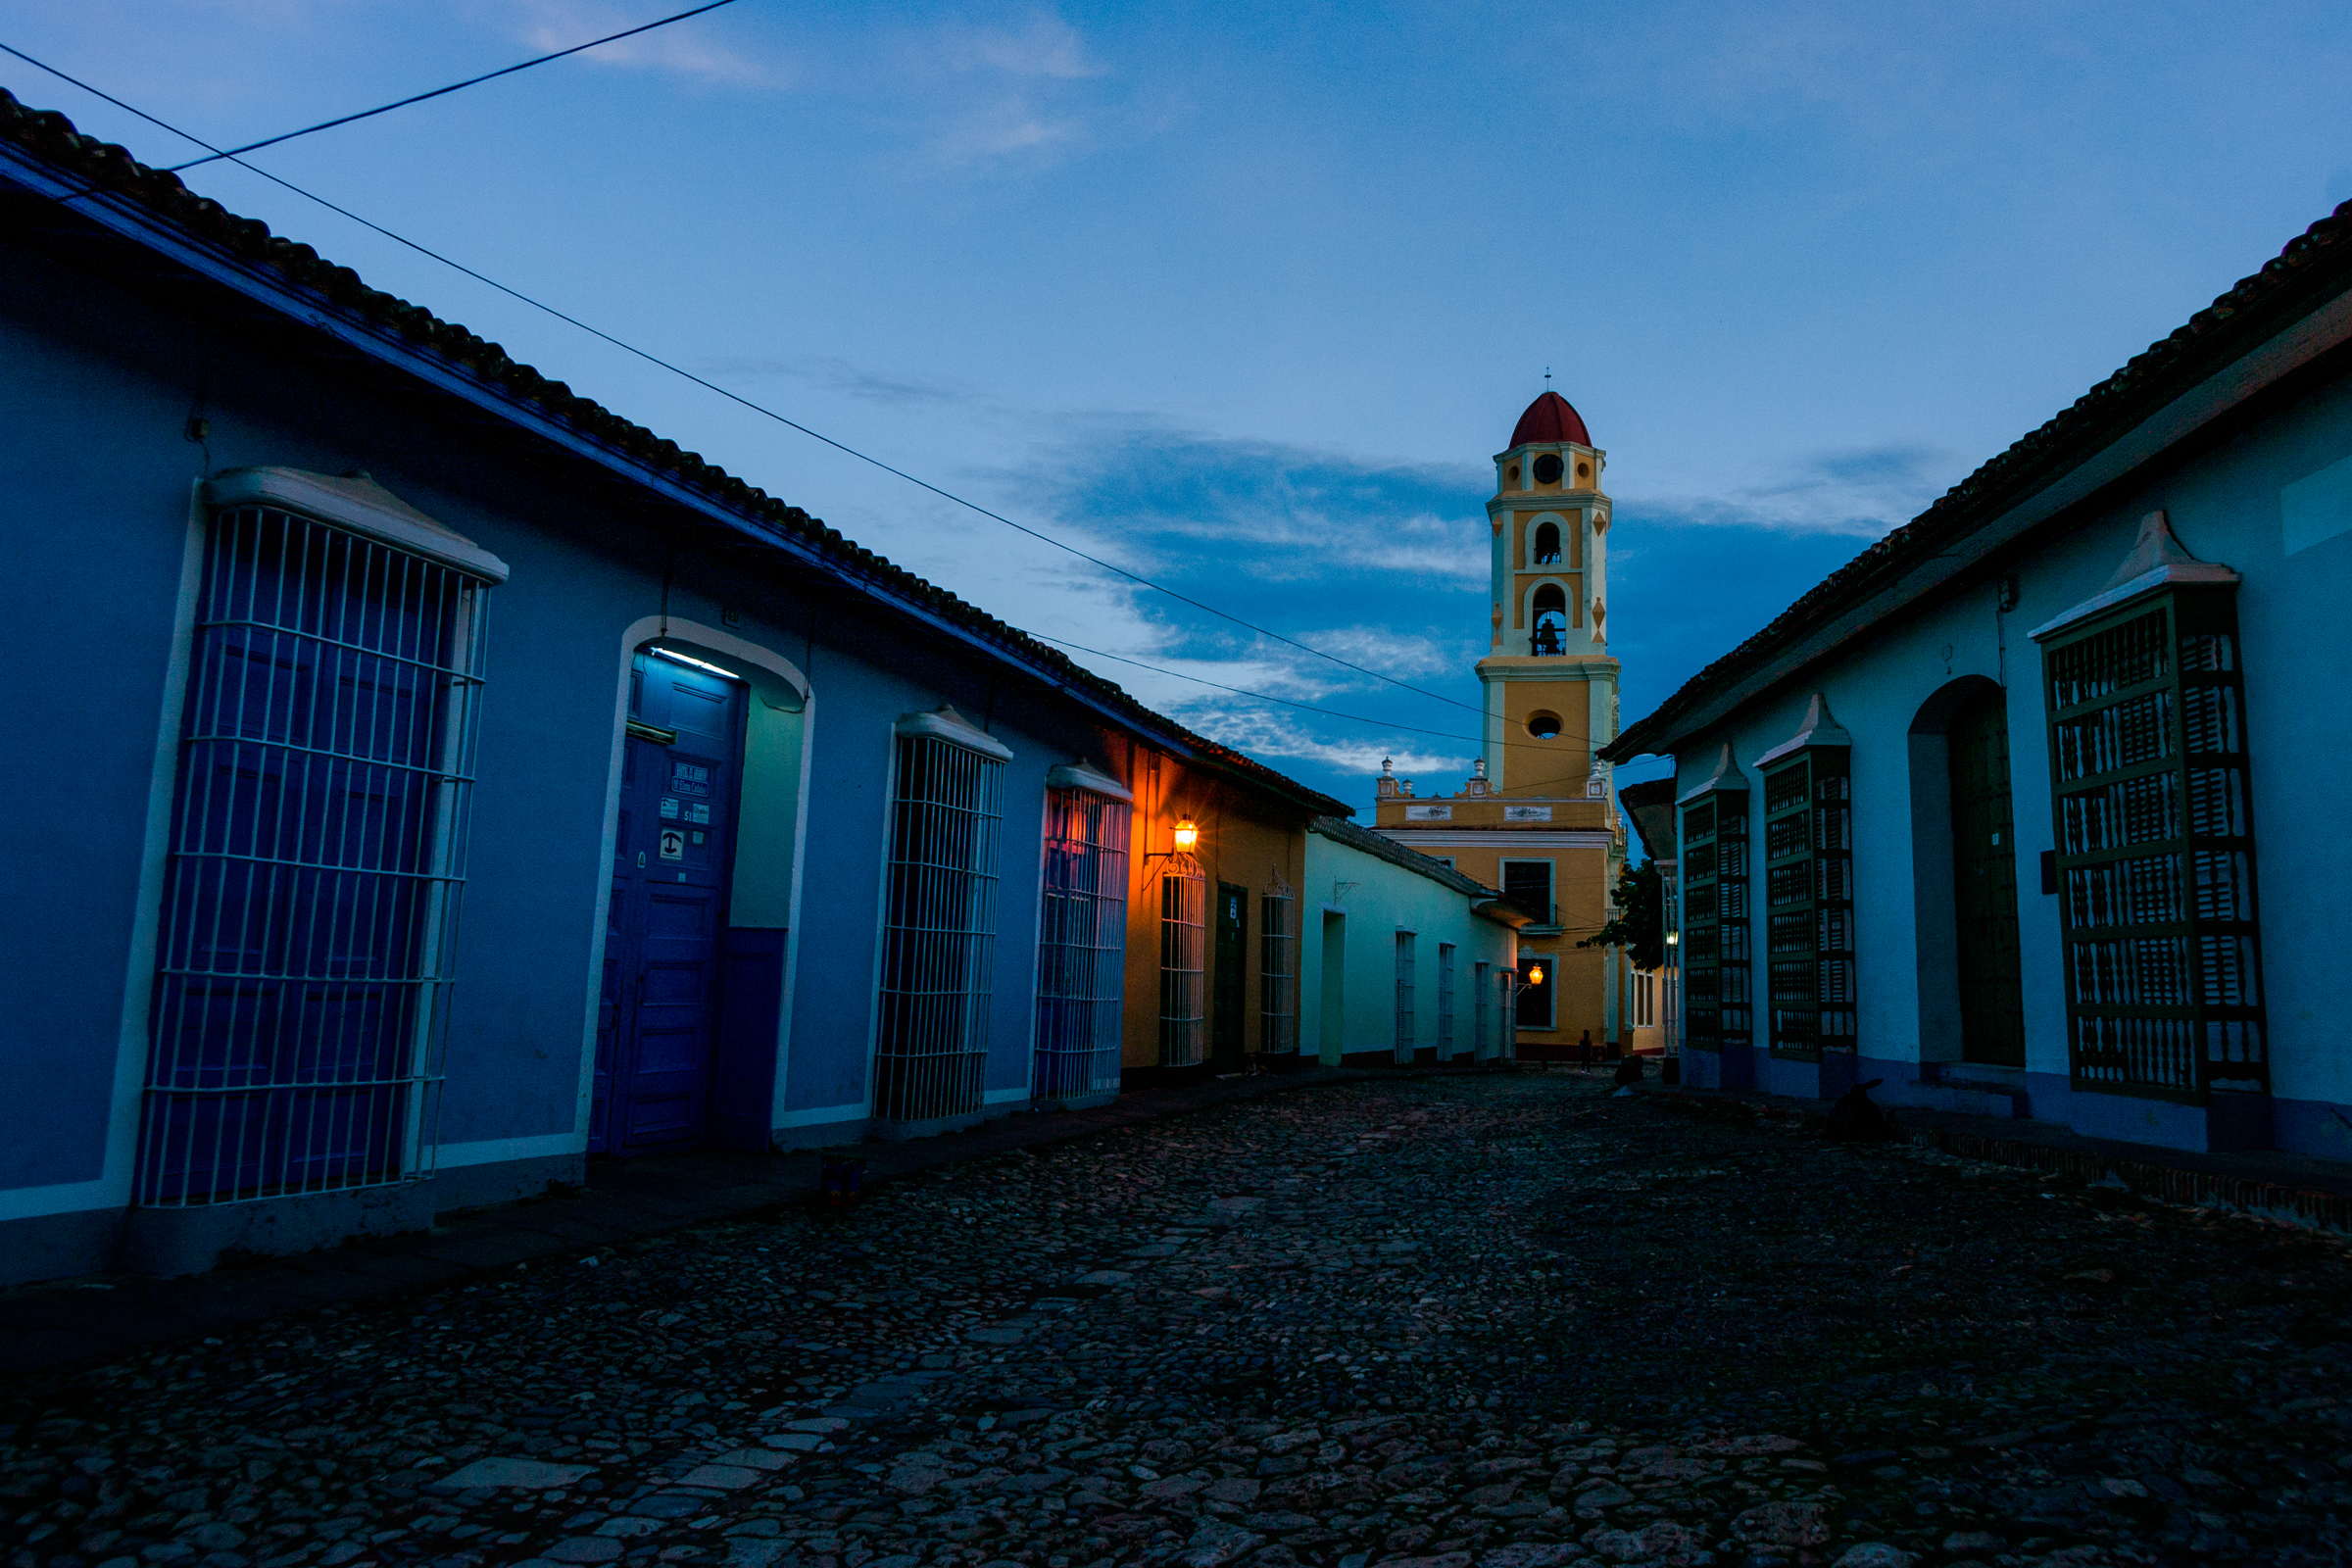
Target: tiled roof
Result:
[[2315, 268], [1551, 417], [111, 171], [1341, 831]]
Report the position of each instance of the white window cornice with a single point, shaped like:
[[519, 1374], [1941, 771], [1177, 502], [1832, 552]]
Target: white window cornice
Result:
[[355, 501]]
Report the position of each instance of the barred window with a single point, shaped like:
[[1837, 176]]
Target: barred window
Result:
[[940, 921], [1278, 971], [2155, 846], [1444, 999], [1404, 995], [317, 847], [1082, 937], [1809, 922], [1720, 1014], [1481, 1041], [1183, 963]]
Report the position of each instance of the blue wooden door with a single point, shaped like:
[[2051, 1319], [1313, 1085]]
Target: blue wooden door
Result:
[[672, 845]]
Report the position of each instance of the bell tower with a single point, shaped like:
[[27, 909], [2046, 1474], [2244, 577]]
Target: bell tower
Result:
[[1550, 684], [1536, 820]]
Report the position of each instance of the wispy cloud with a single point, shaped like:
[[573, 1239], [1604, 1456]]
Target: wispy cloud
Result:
[[1044, 45], [829, 374], [1863, 491], [689, 48]]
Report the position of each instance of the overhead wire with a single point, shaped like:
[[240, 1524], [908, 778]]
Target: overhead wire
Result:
[[438, 92], [736, 398]]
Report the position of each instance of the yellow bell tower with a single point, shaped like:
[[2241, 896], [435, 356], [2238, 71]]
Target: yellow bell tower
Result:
[[1538, 818]]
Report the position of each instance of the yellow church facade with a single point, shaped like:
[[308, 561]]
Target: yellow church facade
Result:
[[1537, 817]]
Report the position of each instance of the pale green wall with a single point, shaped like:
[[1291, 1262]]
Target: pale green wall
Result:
[[770, 812], [1385, 897]]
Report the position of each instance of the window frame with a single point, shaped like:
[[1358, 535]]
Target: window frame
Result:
[[2197, 877], [1718, 998], [1077, 1031], [388, 560], [1407, 1017]]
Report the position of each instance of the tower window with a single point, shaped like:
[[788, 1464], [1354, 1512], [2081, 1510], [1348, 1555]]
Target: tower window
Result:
[[1547, 469], [1510, 475], [1548, 544], [1543, 726], [1583, 471], [1552, 619]]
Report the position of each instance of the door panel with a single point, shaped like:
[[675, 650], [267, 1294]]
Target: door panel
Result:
[[1231, 977], [674, 841], [1992, 1014]]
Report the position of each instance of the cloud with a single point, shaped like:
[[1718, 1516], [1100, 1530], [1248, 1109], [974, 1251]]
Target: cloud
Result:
[[1861, 492], [1043, 46], [686, 48], [986, 131], [828, 373]]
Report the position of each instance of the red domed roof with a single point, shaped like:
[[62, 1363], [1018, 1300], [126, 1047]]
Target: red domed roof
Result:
[[1550, 418]]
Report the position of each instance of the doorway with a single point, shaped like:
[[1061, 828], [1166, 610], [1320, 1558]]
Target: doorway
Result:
[[1992, 1013], [1226, 1041], [673, 844], [1330, 1031]]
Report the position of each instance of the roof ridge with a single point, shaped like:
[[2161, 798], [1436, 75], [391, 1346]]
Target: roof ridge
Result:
[[110, 169]]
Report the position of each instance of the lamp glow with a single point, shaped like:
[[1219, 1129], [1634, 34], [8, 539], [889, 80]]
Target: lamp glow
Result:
[[1188, 834], [676, 658], [1534, 974], [1673, 939]]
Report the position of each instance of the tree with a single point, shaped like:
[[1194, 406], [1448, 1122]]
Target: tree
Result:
[[1640, 923]]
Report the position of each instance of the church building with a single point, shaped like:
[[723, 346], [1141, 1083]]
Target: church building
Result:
[[1537, 817]]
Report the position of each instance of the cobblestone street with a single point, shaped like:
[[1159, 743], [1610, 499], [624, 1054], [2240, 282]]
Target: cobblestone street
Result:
[[1510, 1322]]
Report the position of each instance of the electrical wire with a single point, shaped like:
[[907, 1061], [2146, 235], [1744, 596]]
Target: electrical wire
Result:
[[438, 92], [732, 397]]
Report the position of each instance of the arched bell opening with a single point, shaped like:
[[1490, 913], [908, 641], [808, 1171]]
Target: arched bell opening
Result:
[[1551, 606], [1548, 544]]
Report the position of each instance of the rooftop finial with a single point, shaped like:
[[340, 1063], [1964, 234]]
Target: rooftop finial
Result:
[[1547, 379], [1383, 765]]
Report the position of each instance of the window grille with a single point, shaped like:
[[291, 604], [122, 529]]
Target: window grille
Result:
[[1278, 973], [1445, 1001], [1404, 995], [940, 925], [1808, 896], [1183, 963], [2155, 848], [317, 848], [1506, 1020], [1082, 945], [1482, 1044], [1719, 1014], [1646, 999]]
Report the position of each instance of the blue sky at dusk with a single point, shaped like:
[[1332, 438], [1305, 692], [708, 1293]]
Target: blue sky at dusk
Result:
[[1242, 298]]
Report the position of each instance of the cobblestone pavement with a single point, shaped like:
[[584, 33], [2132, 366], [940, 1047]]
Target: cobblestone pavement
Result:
[[1458, 1323]]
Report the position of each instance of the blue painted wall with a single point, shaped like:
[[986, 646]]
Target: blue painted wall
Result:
[[2238, 503], [99, 386]]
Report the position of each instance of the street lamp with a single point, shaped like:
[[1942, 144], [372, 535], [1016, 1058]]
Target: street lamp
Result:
[[1188, 834]]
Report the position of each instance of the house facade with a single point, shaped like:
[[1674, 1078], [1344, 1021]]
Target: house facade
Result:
[[1407, 959], [1999, 815], [464, 781], [1538, 818]]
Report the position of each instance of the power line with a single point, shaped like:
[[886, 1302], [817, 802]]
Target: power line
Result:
[[732, 397], [438, 92]]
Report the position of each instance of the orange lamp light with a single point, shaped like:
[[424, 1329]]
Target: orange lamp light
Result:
[[1188, 834], [1534, 974]]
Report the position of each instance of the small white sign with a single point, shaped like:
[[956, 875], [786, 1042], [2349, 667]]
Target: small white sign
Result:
[[1429, 813], [1527, 813], [673, 844]]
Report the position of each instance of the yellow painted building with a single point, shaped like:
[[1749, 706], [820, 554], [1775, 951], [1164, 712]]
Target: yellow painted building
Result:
[[1538, 818]]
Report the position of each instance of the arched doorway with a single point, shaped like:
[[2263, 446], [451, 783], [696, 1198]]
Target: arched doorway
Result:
[[1992, 1017]]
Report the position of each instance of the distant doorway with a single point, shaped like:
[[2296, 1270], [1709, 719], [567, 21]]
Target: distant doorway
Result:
[[672, 846], [1331, 1036], [1992, 1013], [1226, 1041]]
